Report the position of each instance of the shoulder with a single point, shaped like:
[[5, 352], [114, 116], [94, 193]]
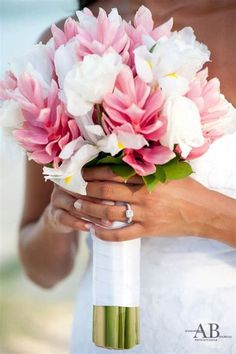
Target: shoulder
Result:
[[215, 25]]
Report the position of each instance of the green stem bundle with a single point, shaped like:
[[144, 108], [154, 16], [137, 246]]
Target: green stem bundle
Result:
[[116, 327]]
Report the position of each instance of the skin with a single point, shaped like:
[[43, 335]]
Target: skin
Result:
[[49, 240]]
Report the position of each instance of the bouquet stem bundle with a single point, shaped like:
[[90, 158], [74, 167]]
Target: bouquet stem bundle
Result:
[[116, 290], [116, 327]]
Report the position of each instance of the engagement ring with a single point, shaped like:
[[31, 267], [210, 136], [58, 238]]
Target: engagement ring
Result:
[[129, 213]]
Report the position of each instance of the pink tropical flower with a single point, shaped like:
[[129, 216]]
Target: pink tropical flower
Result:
[[101, 34], [143, 25], [46, 128], [215, 111], [206, 95], [133, 102], [135, 110], [144, 161], [71, 29]]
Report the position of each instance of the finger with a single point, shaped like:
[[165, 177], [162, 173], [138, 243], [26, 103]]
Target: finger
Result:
[[112, 191], [63, 200], [126, 233], [91, 219], [105, 173], [104, 211], [66, 191], [72, 223], [77, 195]]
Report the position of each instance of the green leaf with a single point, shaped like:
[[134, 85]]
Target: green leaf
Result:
[[176, 169], [50, 165], [93, 162], [124, 171], [153, 47], [160, 174], [110, 160], [151, 182]]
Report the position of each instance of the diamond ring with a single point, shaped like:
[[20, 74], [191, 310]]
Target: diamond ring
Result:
[[129, 213]]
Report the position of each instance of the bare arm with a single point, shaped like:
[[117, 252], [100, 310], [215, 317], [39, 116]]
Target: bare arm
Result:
[[47, 254]]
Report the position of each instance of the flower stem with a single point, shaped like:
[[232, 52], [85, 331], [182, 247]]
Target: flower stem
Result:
[[112, 326], [116, 327], [99, 325], [122, 312], [131, 335]]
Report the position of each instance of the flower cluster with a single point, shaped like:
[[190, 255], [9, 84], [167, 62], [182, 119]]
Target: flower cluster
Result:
[[104, 87]]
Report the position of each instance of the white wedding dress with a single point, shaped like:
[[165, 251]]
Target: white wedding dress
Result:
[[185, 282]]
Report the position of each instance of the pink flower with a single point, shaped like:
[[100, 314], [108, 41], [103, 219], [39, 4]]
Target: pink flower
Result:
[[7, 85], [46, 128], [215, 111], [103, 33], [206, 95], [144, 161], [71, 29], [133, 102], [144, 26], [134, 109]]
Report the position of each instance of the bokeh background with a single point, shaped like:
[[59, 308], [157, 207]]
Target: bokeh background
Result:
[[32, 320]]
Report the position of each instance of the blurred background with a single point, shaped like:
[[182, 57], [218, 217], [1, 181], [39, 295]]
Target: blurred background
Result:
[[32, 320]]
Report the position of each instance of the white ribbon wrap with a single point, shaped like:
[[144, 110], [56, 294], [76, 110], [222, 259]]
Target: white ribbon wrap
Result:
[[116, 272], [116, 265]]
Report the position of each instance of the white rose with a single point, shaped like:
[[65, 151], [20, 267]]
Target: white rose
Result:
[[89, 81], [184, 125]]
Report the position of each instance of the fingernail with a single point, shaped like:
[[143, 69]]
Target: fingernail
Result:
[[78, 204], [106, 222], [108, 202], [88, 226]]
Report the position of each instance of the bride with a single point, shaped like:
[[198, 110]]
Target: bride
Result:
[[188, 227]]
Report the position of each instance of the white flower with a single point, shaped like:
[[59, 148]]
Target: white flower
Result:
[[184, 125], [173, 62], [64, 59], [11, 116], [84, 149], [79, 152], [37, 63], [89, 81]]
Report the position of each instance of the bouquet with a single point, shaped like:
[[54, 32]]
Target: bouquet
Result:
[[129, 95]]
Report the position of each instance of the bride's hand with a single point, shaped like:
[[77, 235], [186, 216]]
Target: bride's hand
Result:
[[183, 207], [62, 216], [167, 211]]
